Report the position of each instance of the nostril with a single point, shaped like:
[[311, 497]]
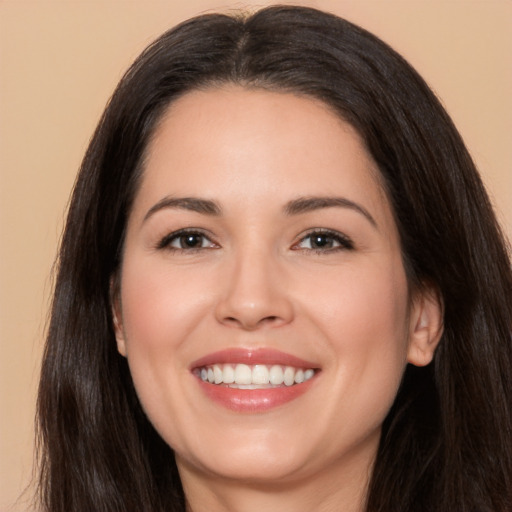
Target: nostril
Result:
[[271, 319], [251, 324], [253, 309]]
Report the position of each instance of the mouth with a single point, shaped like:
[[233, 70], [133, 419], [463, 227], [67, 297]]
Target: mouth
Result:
[[253, 380], [257, 376]]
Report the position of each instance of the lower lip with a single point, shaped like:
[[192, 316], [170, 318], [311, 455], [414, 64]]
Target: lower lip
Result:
[[253, 400]]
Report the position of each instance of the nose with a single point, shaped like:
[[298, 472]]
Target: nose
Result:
[[254, 293]]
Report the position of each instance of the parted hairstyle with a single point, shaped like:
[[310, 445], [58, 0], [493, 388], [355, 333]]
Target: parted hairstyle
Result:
[[446, 442]]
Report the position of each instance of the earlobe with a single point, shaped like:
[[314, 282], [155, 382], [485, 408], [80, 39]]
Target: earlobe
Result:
[[426, 327], [115, 304]]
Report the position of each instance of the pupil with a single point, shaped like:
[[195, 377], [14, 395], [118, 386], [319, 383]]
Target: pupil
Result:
[[191, 240], [322, 241]]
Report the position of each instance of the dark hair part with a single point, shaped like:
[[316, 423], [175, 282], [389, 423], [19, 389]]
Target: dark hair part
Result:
[[446, 443]]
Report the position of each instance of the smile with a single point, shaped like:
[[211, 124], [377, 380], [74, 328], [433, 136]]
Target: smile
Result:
[[258, 376], [254, 380]]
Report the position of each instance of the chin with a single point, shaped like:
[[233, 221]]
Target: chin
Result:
[[259, 470], [259, 459]]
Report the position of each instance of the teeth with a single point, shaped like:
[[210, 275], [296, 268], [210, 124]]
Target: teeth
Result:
[[276, 375], [217, 374], [289, 376], [243, 376], [260, 374], [228, 374]]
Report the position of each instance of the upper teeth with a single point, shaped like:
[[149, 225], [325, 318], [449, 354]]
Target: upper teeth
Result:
[[258, 375]]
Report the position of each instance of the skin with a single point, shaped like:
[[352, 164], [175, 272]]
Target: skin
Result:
[[257, 282]]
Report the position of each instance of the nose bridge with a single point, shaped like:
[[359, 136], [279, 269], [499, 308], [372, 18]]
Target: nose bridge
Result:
[[253, 292]]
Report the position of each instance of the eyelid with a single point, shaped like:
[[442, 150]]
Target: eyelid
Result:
[[345, 243], [165, 242]]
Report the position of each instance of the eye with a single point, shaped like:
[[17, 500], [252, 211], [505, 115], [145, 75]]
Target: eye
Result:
[[186, 240], [324, 241]]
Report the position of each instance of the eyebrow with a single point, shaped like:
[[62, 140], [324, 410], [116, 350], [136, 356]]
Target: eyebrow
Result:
[[193, 204], [294, 207], [309, 204]]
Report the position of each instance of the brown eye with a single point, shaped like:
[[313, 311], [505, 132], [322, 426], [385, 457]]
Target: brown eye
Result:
[[192, 241], [324, 241], [184, 240]]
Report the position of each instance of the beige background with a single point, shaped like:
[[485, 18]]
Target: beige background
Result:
[[59, 62]]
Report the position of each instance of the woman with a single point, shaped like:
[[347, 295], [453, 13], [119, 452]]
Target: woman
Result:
[[281, 284]]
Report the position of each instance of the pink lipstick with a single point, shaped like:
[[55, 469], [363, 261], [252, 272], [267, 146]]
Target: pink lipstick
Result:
[[253, 380]]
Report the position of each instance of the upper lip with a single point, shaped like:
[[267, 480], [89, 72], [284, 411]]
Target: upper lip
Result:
[[252, 357]]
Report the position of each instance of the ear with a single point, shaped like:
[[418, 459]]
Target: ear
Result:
[[426, 327], [117, 316]]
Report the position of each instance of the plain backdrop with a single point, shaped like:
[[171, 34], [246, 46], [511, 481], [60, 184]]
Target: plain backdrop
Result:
[[59, 63]]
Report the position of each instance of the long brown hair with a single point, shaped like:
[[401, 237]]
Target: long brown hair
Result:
[[447, 441]]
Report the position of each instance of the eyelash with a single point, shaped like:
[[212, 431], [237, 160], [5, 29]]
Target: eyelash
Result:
[[344, 243], [167, 240]]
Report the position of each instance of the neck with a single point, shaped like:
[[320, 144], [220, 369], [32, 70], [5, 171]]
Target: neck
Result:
[[337, 487]]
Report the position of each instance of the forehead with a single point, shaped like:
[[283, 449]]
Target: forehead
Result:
[[253, 145]]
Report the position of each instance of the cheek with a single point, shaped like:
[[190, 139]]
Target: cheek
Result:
[[159, 306], [370, 299], [160, 310], [364, 315]]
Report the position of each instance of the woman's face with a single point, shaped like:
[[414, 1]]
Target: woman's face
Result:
[[261, 254]]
